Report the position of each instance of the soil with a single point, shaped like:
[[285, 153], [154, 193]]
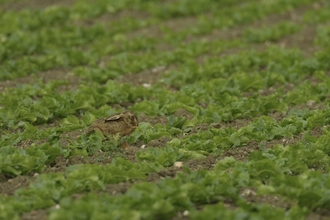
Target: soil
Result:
[[304, 40], [34, 4], [8, 186], [39, 214]]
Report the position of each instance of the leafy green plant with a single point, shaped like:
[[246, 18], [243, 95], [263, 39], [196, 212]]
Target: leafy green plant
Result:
[[270, 33], [203, 91]]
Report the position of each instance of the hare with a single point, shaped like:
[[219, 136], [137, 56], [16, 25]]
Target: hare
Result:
[[121, 123]]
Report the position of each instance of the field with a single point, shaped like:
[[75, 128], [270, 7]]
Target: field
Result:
[[232, 99]]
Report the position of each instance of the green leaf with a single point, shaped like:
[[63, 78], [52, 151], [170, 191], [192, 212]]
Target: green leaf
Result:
[[225, 164], [150, 108], [70, 123], [88, 118]]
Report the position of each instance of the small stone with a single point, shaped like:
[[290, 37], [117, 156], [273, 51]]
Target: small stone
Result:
[[178, 164], [248, 192], [311, 103], [158, 69], [146, 85], [185, 213]]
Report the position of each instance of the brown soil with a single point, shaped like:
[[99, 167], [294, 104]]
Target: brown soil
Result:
[[45, 77], [251, 195], [9, 185], [39, 214], [34, 4]]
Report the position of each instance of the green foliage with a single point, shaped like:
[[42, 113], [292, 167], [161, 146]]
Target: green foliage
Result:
[[208, 93], [319, 15], [270, 33]]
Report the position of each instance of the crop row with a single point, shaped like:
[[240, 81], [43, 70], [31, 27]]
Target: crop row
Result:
[[167, 197], [65, 45], [39, 104], [16, 161], [269, 171]]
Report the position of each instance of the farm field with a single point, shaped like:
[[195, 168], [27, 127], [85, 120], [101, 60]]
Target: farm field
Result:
[[232, 99]]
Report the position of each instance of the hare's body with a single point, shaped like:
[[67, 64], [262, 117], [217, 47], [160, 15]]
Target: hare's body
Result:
[[122, 123]]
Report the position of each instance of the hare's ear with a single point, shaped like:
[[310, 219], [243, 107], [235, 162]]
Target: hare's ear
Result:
[[113, 118]]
